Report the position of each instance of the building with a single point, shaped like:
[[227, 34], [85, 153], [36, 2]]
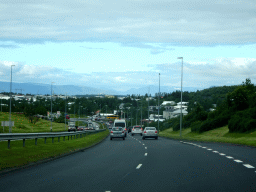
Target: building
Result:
[[174, 113]]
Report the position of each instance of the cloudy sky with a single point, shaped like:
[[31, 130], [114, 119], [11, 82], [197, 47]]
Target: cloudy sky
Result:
[[126, 44]]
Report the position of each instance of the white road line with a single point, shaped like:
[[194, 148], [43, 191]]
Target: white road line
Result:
[[248, 166], [222, 154], [107, 191], [139, 141], [143, 144], [146, 154], [209, 149], [238, 161], [138, 166], [204, 147], [229, 157], [145, 147], [215, 151]]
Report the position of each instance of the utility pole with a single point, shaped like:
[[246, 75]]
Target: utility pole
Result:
[[10, 127], [148, 105], [65, 110], [141, 115], [158, 102]]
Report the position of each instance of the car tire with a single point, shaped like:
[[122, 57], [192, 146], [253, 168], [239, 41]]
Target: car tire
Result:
[[141, 134], [156, 138], [143, 138], [110, 138], [123, 138], [132, 134]]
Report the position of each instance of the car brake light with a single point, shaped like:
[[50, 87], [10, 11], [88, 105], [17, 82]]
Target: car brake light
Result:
[[155, 131], [125, 129], [111, 132], [122, 131], [133, 129], [145, 132], [141, 129]]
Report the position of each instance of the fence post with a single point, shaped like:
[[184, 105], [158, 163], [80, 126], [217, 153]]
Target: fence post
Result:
[[64, 138], [68, 137], [71, 137], [52, 139], [45, 140], [9, 141], [58, 139], [35, 141], [23, 142]]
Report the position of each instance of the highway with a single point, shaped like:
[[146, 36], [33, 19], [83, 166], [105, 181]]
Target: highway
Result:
[[136, 165]]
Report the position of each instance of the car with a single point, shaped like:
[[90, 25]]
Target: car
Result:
[[137, 130], [149, 132], [121, 123], [130, 129], [80, 128], [71, 128], [117, 132]]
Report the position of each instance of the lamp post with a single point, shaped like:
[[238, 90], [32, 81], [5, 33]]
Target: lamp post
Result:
[[181, 94], [65, 109], [158, 102], [51, 106], [1, 101], [10, 127], [148, 104]]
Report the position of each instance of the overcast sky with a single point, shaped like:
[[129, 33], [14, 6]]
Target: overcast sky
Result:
[[125, 44]]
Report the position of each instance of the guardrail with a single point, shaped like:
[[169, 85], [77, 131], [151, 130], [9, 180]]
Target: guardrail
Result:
[[24, 136]]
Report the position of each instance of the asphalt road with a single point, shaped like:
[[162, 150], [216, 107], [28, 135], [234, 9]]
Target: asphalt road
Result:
[[142, 165]]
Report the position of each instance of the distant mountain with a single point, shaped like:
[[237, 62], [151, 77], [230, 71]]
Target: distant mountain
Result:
[[46, 89]]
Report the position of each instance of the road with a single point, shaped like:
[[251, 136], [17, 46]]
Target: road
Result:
[[142, 165]]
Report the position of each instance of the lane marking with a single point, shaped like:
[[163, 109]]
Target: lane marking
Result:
[[238, 161], [143, 144], [146, 154], [248, 166], [145, 147], [209, 149], [222, 154], [229, 157], [138, 166], [215, 151], [204, 147]]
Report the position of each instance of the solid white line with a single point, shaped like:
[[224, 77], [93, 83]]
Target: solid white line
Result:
[[222, 154], [248, 166], [229, 157], [145, 147], [215, 151], [238, 161], [146, 154], [209, 149], [138, 166]]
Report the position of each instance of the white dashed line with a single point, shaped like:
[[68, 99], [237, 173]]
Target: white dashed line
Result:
[[143, 144], [229, 157], [139, 141], [209, 149], [138, 166], [145, 147], [222, 154], [146, 154], [248, 166], [238, 161], [215, 151], [204, 147]]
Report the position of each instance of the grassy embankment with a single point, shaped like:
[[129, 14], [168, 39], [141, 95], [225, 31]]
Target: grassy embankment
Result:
[[18, 155], [217, 135]]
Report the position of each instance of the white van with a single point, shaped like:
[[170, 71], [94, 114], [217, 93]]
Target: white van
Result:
[[121, 123]]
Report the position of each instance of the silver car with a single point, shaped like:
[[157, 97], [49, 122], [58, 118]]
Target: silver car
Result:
[[137, 130], [117, 132], [150, 132]]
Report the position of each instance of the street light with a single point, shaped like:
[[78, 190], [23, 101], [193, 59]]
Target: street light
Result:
[[158, 102], [65, 109], [51, 106], [10, 127], [181, 94], [1, 101]]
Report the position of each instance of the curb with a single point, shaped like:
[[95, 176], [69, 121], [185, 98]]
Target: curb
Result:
[[33, 164]]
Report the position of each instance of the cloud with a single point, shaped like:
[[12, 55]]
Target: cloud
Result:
[[184, 22]]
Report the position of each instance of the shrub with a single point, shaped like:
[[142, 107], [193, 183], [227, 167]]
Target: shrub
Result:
[[195, 126]]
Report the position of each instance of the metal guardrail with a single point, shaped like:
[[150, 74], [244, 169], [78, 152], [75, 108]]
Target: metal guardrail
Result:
[[24, 136]]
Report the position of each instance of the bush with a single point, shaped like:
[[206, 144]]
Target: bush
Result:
[[195, 126]]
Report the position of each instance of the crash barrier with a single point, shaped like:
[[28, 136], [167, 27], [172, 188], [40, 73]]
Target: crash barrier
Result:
[[24, 136]]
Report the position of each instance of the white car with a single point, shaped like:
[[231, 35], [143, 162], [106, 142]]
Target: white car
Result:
[[149, 132], [137, 130]]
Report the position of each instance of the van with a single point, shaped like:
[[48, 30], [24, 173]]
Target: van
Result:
[[121, 123]]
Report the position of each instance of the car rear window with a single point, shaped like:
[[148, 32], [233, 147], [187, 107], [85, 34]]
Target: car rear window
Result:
[[117, 129], [137, 127], [150, 128], [120, 124]]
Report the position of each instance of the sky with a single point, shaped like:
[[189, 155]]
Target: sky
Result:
[[121, 45]]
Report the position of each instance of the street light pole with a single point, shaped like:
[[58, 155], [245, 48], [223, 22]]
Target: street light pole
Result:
[[10, 127], [148, 104], [181, 94], [65, 110], [51, 106], [158, 102]]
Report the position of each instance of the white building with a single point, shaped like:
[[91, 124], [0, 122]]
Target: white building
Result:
[[168, 102]]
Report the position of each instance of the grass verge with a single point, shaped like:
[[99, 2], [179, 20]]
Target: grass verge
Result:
[[217, 135], [19, 156]]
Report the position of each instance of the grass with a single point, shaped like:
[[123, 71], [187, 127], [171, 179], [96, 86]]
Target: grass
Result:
[[22, 125], [18, 156], [217, 135]]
